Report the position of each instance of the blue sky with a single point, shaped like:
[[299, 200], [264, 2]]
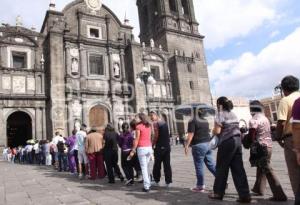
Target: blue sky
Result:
[[250, 45]]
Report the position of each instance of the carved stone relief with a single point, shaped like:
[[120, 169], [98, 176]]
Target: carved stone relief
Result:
[[19, 84], [30, 84], [6, 82]]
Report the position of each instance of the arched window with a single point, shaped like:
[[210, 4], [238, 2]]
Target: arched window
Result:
[[172, 4], [185, 7]]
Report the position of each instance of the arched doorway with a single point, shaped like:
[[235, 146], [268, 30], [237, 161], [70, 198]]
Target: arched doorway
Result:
[[19, 129], [98, 116]]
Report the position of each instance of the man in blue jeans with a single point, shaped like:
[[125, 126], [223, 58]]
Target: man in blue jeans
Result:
[[198, 138]]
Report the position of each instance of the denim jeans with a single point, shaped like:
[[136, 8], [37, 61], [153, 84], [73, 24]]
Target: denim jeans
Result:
[[203, 155], [144, 155], [63, 162]]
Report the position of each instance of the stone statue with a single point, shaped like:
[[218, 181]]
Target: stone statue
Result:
[[77, 125], [76, 108], [152, 44], [143, 45], [116, 70], [74, 66], [19, 21]]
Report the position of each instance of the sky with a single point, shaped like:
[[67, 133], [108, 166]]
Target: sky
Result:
[[250, 45]]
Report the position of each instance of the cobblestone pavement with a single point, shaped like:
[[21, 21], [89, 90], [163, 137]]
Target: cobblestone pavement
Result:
[[24, 184]]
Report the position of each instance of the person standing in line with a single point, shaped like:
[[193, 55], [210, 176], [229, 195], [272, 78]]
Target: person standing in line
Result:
[[199, 138], [229, 154], [82, 157], [135, 160], [62, 156], [54, 143], [260, 131], [162, 150], [290, 89], [296, 140], [111, 154], [93, 146], [70, 142], [126, 143], [143, 147]]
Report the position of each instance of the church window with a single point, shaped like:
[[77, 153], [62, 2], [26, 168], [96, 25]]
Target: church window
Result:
[[94, 32], [96, 65], [172, 4], [189, 67], [19, 59], [192, 86], [185, 7], [155, 72]]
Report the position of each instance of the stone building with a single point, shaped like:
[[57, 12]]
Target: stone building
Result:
[[82, 67]]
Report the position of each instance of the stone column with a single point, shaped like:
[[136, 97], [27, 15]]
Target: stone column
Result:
[[44, 124], [3, 140], [84, 110], [38, 123], [83, 62], [68, 58], [124, 84]]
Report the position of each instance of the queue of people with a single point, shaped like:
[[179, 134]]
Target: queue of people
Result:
[[258, 138], [95, 153]]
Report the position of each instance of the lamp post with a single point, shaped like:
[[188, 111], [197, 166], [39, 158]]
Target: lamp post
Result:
[[145, 77]]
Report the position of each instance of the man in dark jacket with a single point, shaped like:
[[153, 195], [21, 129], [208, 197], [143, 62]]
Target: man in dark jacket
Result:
[[162, 149]]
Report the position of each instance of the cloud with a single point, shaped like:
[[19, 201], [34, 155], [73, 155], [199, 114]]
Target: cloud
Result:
[[223, 21], [253, 75]]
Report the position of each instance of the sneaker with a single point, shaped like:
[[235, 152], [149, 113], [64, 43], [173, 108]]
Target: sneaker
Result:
[[198, 190], [80, 176], [129, 182], [168, 185], [146, 190]]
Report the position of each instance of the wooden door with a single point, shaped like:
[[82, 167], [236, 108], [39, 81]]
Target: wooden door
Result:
[[98, 116]]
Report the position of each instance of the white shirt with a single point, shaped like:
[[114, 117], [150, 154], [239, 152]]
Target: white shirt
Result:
[[55, 141]]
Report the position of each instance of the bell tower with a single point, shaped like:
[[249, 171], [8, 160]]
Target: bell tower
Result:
[[159, 18], [173, 25]]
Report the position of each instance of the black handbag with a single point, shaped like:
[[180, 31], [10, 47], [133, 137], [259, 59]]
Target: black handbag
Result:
[[247, 141], [258, 155]]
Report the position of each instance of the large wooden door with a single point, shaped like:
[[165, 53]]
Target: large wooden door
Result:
[[98, 116]]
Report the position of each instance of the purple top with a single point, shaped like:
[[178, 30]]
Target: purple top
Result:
[[126, 141], [296, 112], [71, 142]]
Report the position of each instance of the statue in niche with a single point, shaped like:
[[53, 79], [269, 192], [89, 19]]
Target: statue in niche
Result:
[[152, 44], [76, 108], [77, 125], [75, 66], [116, 70]]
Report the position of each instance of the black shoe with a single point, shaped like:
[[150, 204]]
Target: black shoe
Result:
[[146, 190], [215, 196], [111, 182], [244, 200], [278, 199]]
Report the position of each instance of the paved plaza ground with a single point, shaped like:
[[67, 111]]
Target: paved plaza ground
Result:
[[24, 184]]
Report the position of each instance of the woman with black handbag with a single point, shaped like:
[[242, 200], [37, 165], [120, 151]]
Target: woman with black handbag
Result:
[[261, 152]]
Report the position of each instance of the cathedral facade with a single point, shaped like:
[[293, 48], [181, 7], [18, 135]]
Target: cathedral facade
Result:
[[82, 67]]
